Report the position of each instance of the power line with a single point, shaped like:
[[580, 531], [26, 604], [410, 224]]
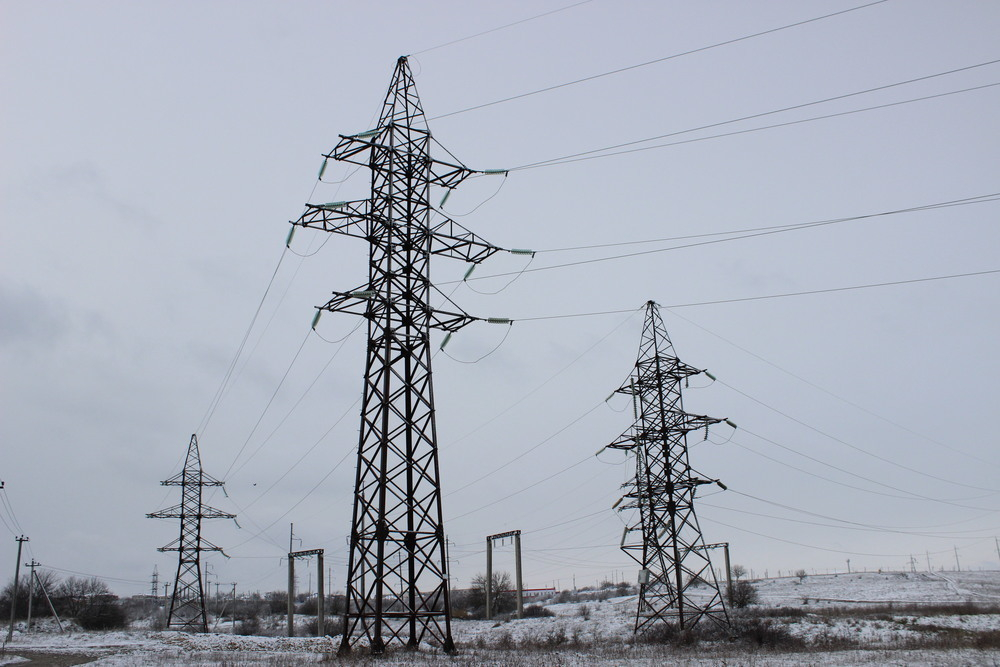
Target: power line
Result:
[[590, 156], [834, 395], [854, 474], [214, 403], [772, 296], [812, 546], [508, 25], [264, 412], [652, 62], [529, 450], [743, 234], [525, 396], [853, 446], [773, 111]]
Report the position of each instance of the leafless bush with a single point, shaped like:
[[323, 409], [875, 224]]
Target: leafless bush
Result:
[[742, 594]]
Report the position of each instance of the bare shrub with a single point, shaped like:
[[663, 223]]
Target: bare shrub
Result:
[[537, 611], [332, 627], [766, 633], [742, 594]]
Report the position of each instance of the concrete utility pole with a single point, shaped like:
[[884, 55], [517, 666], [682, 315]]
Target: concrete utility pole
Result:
[[17, 571], [516, 534], [320, 607], [52, 608], [31, 588], [958, 566]]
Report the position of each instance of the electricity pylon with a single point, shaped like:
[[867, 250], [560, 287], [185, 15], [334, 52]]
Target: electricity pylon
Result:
[[671, 550], [397, 584], [187, 603]]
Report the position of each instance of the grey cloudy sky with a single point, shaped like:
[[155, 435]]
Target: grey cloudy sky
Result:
[[154, 152]]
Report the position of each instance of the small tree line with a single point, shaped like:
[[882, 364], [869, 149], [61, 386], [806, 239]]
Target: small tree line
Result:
[[88, 600]]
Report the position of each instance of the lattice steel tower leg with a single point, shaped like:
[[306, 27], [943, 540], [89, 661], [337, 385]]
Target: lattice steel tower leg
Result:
[[677, 584], [187, 604], [397, 588]]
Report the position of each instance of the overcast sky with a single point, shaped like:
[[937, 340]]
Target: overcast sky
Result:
[[153, 154]]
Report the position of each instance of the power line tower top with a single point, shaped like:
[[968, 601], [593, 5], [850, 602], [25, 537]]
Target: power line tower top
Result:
[[397, 588], [663, 534], [187, 603]]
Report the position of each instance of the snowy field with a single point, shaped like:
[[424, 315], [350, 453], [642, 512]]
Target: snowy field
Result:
[[857, 619]]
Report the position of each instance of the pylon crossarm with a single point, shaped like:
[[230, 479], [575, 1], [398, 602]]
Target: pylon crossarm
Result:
[[626, 441], [173, 546], [451, 239], [349, 218], [169, 513], [360, 301]]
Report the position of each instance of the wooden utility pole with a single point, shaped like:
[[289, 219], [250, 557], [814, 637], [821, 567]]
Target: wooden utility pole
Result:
[[17, 571]]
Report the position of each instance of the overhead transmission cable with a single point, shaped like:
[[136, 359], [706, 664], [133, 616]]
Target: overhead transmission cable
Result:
[[266, 408], [856, 448], [834, 395], [762, 114], [962, 535], [818, 548], [518, 457], [598, 153], [657, 60], [214, 403], [503, 27], [770, 296], [913, 494], [744, 234], [525, 396]]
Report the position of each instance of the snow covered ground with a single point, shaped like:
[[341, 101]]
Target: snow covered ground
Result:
[[856, 619]]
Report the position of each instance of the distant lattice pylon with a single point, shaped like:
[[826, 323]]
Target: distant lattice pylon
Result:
[[677, 584], [397, 583], [187, 603]]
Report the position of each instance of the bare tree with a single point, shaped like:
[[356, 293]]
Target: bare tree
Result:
[[503, 594]]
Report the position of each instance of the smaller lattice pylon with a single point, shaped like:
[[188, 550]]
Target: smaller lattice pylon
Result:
[[187, 603], [677, 584]]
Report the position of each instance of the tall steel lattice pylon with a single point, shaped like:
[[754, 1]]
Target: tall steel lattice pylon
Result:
[[187, 603], [397, 585], [677, 584]]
